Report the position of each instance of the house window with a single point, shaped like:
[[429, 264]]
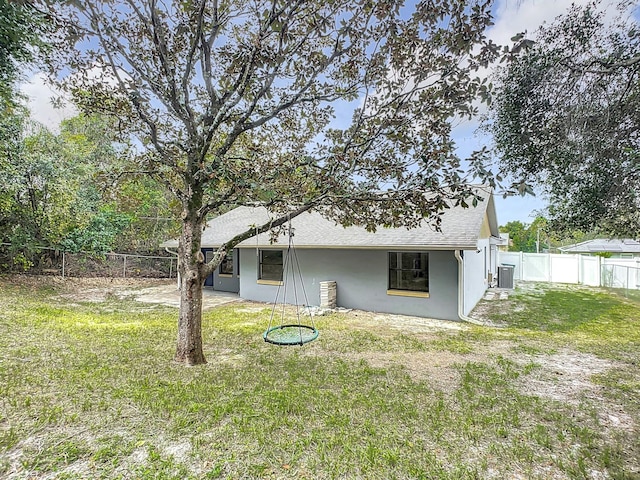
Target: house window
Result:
[[226, 266], [270, 268], [409, 271]]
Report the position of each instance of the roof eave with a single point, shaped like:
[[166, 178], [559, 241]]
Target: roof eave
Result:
[[362, 247]]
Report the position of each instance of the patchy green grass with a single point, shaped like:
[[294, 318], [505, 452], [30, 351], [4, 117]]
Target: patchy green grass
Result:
[[592, 320], [631, 294], [88, 390]]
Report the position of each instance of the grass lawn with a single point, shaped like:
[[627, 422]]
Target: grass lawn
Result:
[[88, 390]]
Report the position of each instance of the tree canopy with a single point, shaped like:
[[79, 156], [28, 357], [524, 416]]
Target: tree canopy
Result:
[[54, 192], [344, 106], [21, 26], [566, 118], [20, 29], [531, 238]]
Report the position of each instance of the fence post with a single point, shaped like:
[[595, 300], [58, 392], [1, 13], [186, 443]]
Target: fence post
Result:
[[171, 269], [124, 269], [63, 259], [626, 290], [521, 266], [599, 270]]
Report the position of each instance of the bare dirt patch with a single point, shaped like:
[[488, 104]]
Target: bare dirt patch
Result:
[[74, 285], [150, 291], [98, 290], [400, 323], [484, 308], [435, 367], [567, 377]]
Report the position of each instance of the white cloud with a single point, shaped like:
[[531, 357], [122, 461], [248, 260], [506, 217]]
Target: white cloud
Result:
[[513, 16], [40, 95]]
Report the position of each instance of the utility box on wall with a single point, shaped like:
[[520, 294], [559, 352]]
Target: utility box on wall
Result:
[[505, 276]]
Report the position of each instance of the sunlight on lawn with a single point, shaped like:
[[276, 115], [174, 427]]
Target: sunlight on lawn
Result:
[[89, 390]]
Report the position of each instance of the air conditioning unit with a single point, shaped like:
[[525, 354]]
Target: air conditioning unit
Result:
[[505, 276]]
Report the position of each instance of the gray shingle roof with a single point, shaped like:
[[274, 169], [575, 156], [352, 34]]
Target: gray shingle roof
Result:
[[604, 245], [460, 230]]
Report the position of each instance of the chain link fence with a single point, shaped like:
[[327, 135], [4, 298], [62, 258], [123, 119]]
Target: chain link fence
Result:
[[623, 279], [51, 261]]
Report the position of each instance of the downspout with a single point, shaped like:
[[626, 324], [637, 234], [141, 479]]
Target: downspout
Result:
[[461, 314], [166, 249]]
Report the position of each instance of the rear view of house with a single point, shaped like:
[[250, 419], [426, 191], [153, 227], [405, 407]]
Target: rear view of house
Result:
[[420, 271]]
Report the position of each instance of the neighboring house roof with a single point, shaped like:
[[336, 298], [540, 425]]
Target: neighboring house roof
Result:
[[460, 229], [603, 245]]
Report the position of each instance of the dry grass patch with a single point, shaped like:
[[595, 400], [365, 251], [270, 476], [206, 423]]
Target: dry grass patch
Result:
[[88, 390]]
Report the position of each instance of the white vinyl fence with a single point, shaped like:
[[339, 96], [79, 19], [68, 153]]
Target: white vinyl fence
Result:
[[562, 268]]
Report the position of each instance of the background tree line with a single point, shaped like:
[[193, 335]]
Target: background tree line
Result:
[[540, 236], [57, 189]]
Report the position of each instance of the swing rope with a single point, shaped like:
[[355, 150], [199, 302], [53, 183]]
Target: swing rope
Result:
[[292, 333]]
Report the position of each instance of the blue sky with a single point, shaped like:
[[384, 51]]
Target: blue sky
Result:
[[511, 17], [508, 209]]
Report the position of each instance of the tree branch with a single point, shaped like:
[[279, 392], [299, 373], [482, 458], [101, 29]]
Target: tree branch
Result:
[[223, 249]]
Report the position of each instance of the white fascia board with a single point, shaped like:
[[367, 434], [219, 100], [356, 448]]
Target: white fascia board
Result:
[[360, 247]]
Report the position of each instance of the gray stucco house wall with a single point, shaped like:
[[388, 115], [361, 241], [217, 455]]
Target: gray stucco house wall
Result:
[[461, 260], [362, 281], [223, 282], [477, 265]]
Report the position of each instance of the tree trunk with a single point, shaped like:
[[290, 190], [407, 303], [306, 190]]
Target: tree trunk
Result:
[[192, 277]]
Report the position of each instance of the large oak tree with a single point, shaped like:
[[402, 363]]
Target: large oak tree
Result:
[[344, 106], [566, 118]]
